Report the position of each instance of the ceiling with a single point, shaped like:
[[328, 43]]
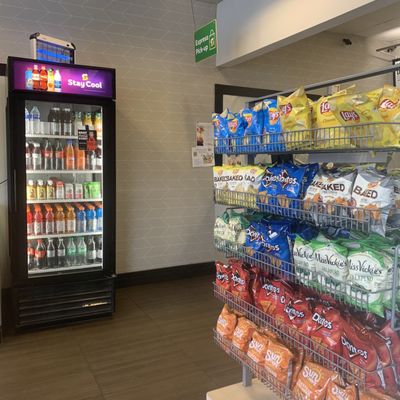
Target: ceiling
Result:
[[383, 24]]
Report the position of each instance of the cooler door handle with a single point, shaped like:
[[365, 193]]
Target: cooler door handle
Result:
[[15, 191]]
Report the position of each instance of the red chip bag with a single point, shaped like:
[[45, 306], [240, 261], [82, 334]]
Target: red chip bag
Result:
[[226, 323], [296, 313], [243, 334], [258, 347], [389, 376], [268, 295], [223, 275], [255, 283], [286, 295], [240, 282], [393, 341], [297, 365], [336, 391], [372, 395]]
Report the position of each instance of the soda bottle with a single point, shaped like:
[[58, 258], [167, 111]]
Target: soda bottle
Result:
[[35, 78], [90, 159], [28, 79], [52, 121], [36, 157], [56, 121], [99, 216], [29, 222], [48, 155], [61, 253], [50, 80], [35, 121], [50, 228], [78, 122], [60, 219], [59, 156], [81, 251], [71, 220], [99, 160], [43, 78], [71, 253], [80, 158], [51, 255], [98, 124], [57, 81], [90, 218], [31, 255], [67, 121], [28, 122], [40, 255], [28, 156], [99, 253], [38, 228], [91, 251], [80, 219], [69, 156]]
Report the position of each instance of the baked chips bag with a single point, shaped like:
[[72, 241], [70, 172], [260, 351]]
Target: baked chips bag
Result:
[[295, 116]]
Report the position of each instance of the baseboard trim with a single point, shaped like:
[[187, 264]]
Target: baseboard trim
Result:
[[164, 274]]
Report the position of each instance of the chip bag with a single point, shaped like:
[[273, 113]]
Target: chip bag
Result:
[[389, 107], [243, 334], [303, 256], [258, 347], [295, 118], [221, 132], [272, 134], [226, 323], [335, 391], [236, 127], [240, 285], [278, 362], [254, 130]]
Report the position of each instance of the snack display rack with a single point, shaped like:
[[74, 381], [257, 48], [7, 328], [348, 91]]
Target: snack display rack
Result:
[[358, 138]]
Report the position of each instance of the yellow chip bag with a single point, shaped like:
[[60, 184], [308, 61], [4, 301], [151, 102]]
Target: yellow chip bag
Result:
[[374, 96], [359, 109], [295, 116], [389, 107]]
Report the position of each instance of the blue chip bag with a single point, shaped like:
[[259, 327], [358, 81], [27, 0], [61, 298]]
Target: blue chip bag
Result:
[[254, 130], [221, 132], [236, 127], [311, 171], [272, 134]]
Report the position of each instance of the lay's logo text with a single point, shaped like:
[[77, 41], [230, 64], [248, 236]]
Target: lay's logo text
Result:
[[349, 115], [286, 109], [324, 107], [388, 104]]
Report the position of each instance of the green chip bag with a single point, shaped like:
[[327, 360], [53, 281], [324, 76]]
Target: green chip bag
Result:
[[303, 256]]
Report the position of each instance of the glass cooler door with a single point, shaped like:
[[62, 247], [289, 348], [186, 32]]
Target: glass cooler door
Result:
[[64, 187]]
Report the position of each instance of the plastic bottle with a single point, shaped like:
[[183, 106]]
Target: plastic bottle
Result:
[[98, 124], [61, 253], [28, 79], [90, 218], [60, 219], [43, 78], [69, 156], [57, 81], [71, 220], [51, 255], [28, 156], [35, 121], [50, 190], [38, 227], [27, 122], [50, 80], [99, 252], [80, 158], [67, 121], [29, 222], [81, 251], [71, 253], [40, 190], [87, 120], [91, 251], [99, 160], [99, 216], [56, 121], [80, 219], [60, 190], [31, 255], [40, 255], [48, 155], [35, 78], [91, 160], [50, 226], [59, 156], [78, 122], [36, 157], [31, 190]]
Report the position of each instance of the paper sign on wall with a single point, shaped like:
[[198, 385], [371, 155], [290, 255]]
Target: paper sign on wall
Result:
[[202, 157]]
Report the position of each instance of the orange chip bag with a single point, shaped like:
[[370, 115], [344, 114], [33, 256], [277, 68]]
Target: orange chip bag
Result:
[[339, 392], [295, 116], [373, 395], [313, 381], [278, 362], [297, 365], [226, 323], [243, 333], [258, 347]]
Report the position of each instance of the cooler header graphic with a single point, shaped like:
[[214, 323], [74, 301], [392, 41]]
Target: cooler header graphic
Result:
[[45, 77]]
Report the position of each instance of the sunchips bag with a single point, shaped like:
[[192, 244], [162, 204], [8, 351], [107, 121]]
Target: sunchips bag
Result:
[[221, 132], [295, 116], [272, 132], [243, 333], [336, 391], [226, 323], [236, 126], [255, 122], [258, 347], [278, 362], [359, 109]]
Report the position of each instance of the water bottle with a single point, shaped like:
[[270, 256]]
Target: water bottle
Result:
[[90, 219], [35, 121], [91, 251], [61, 253], [71, 253], [99, 218], [27, 122], [80, 221], [99, 253], [81, 251]]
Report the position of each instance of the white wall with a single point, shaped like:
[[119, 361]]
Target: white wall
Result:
[[247, 29], [165, 211]]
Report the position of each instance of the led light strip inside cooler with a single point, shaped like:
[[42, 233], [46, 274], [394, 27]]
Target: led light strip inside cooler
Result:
[[360, 137]]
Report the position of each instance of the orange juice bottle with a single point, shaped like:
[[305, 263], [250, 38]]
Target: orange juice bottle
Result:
[[80, 158], [60, 219], [71, 219], [69, 156]]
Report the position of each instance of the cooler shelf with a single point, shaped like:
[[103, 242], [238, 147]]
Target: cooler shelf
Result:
[[56, 171], [64, 201], [44, 136], [45, 271], [64, 235]]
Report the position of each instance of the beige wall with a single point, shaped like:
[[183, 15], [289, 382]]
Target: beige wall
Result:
[[164, 207]]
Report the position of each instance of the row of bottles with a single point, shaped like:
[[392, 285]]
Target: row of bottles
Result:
[[62, 121], [46, 80], [56, 219], [51, 254], [57, 157]]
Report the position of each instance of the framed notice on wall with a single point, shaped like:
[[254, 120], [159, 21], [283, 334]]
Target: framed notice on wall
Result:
[[396, 74]]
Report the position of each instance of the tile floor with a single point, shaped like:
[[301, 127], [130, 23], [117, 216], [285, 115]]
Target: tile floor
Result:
[[157, 346]]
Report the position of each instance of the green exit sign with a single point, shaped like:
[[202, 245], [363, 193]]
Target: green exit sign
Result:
[[205, 41]]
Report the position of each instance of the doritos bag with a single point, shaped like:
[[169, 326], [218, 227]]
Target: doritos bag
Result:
[[335, 391], [223, 275], [258, 347], [269, 295], [255, 283], [272, 133], [243, 334], [295, 119], [226, 323], [313, 381], [254, 130], [240, 285], [297, 365], [391, 336], [221, 132], [278, 362]]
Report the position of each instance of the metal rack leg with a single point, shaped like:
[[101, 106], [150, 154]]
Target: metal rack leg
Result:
[[246, 376]]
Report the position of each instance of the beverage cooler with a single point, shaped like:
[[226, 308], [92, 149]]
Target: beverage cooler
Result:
[[61, 163]]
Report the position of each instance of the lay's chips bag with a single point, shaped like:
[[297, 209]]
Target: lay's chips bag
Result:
[[272, 133], [255, 122], [374, 96], [221, 132], [236, 127], [295, 118], [389, 107]]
